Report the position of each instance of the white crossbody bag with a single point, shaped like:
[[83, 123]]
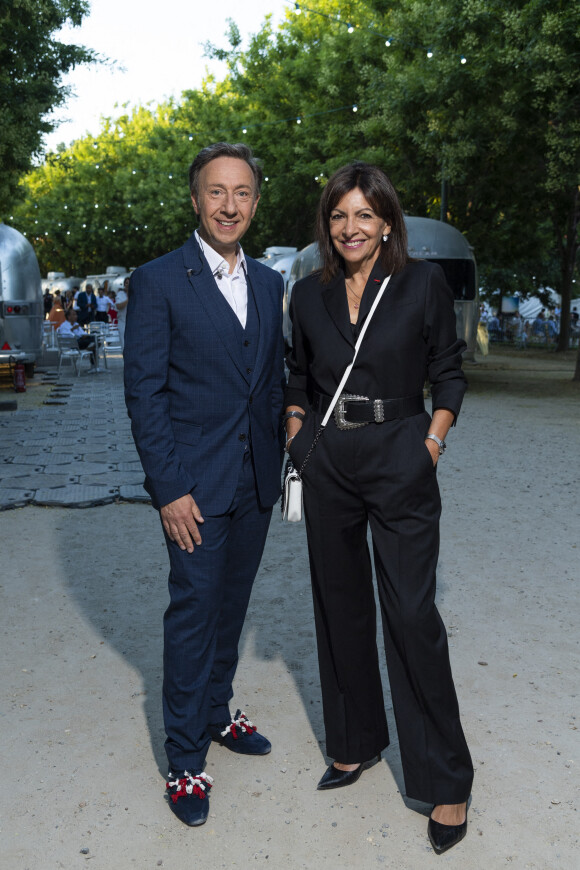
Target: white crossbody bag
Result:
[[292, 490]]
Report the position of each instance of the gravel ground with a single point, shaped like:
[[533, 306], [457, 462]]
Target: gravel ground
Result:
[[82, 595]]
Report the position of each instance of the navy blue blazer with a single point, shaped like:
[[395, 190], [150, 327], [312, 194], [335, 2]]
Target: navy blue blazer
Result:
[[187, 390]]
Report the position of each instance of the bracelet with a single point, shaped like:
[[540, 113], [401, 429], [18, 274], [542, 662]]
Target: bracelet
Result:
[[288, 441], [298, 414], [440, 444]]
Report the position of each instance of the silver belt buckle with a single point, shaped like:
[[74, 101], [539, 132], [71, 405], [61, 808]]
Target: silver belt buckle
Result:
[[340, 411]]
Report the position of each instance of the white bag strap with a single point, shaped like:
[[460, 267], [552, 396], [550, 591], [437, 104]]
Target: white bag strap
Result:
[[356, 348]]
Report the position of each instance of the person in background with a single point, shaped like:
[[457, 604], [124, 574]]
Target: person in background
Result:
[[56, 313], [113, 308], [71, 329], [539, 325], [103, 304], [552, 328], [86, 302], [122, 301], [47, 302]]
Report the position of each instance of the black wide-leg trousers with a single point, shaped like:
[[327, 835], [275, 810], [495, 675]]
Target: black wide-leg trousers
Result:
[[382, 476]]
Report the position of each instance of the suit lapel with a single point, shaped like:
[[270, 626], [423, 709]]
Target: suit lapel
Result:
[[334, 297], [203, 282], [372, 288], [262, 298]]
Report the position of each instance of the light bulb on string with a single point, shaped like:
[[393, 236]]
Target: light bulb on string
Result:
[[350, 28], [388, 43], [463, 59], [297, 9], [355, 108], [244, 130], [298, 120], [429, 53]]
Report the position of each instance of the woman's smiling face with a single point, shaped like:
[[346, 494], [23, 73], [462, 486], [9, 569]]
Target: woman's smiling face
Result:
[[357, 230]]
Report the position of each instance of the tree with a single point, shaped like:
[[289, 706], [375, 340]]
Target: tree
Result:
[[472, 106], [121, 197], [485, 96], [32, 63]]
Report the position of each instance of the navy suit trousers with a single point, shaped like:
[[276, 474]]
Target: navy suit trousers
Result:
[[209, 594]]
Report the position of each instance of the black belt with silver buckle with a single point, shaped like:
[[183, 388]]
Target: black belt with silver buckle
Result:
[[352, 411]]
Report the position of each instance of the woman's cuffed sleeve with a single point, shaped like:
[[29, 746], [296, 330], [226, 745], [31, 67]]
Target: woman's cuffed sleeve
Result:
[[445, 350]]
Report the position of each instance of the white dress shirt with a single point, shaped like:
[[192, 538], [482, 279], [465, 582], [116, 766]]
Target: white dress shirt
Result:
[[233, 287], [66, 329]]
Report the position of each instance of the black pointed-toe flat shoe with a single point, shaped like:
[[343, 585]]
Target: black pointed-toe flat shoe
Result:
[[189, 797], [444, 837], [335, 778]]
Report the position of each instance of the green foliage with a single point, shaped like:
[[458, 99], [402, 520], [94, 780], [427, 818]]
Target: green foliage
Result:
[[32, 63], [493, 112]]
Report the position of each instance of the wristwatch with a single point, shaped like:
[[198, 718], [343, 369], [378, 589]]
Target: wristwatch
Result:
[[440, 444]]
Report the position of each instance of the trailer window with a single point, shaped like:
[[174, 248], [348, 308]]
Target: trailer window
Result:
[[460, 276]]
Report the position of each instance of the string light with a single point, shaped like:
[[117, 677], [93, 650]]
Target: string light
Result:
[[351, 28]]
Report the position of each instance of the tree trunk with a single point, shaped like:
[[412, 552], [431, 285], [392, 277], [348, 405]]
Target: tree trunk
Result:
[[577, 370], [569, 249]]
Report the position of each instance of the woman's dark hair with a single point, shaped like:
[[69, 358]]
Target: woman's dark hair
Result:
[[379, 192], [224, 149]]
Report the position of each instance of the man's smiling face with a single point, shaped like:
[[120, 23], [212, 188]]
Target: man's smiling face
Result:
[[225, 203]]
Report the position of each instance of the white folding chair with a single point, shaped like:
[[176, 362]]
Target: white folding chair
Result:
[[112, 342], [98, 329], [69, 351]]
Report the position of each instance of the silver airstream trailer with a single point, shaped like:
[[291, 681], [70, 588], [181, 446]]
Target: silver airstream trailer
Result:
[[441, 243], [21, 305], [427, 240]]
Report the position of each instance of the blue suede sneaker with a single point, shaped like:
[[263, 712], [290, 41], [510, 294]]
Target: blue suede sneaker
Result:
[[189, 797], [240, 736]]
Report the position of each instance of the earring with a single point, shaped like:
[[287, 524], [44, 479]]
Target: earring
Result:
[[386, 238]]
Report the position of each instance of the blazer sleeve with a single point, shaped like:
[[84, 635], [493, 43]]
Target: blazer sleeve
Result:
[[444, 349], [146, 355], [297, 359]]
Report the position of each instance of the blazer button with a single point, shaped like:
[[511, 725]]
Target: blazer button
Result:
[[246, 343], [249, 371], [251, 399], [241, 436]]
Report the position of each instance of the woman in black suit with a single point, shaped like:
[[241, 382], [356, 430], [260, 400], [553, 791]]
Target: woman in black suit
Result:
[[382, 473]]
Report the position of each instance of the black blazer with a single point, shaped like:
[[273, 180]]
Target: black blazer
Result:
[[411, 339]]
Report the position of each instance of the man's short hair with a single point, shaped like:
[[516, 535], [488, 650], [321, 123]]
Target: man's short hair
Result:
[[224, 149], [68, 313]]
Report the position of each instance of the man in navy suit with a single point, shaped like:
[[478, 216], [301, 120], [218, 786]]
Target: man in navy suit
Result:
[[204, 379]]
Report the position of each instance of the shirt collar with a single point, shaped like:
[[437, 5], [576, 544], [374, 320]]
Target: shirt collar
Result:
[[216, 262]]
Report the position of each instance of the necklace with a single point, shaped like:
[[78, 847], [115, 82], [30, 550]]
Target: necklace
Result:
[[357, 299]]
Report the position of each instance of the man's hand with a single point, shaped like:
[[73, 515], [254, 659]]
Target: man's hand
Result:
[[180, 519]]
